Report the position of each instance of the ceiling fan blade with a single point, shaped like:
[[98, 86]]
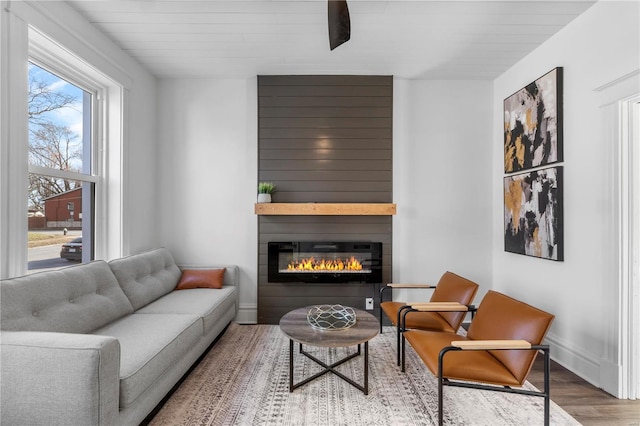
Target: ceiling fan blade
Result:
[[339, 23]]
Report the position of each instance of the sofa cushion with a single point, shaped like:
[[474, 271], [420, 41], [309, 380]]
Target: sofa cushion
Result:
[[77, 299], [150, 344], [209, 304], [201, 278], [147, 276]]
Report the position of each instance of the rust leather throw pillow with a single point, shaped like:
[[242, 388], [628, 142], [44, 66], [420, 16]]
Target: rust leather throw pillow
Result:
[[201, 278]]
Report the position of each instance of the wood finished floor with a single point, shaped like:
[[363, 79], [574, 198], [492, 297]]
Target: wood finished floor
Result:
[[586, 403]]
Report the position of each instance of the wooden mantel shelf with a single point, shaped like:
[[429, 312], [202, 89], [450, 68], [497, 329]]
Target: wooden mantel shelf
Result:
[[326, 209]]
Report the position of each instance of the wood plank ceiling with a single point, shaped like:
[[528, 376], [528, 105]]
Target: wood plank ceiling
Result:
[[411, 39]]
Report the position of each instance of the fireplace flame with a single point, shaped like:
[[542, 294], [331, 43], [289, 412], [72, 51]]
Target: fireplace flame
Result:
[[313, 264]]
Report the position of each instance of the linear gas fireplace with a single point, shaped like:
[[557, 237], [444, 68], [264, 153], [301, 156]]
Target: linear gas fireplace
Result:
[[325, 262]]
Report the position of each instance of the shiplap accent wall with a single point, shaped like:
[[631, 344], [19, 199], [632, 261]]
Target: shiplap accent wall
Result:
[[325, 139]]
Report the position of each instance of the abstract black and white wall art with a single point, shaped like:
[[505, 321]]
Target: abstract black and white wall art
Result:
[[533, 213], [533, 124]]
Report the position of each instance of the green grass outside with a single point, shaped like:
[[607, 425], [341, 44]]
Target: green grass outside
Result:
[[37, 239]]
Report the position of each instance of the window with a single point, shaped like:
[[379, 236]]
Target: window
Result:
[[95, 175], [61, 147]]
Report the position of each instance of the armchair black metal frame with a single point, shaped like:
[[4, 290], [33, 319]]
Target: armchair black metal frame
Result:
[[391, 286], [402, 319], [443, 381], [497, 353], [450, 287]]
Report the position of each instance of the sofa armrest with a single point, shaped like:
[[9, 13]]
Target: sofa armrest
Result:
[[234, 279], [59, 378]]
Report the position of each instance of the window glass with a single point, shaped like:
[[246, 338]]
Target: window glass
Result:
[[60, 202], [56, 119]]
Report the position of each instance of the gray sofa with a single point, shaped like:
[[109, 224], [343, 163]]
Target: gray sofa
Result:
[[103, 343]]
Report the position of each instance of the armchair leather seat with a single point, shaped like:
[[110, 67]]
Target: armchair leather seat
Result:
[[420, 320], [477, 366]]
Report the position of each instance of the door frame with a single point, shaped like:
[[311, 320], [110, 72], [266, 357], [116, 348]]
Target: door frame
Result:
[[620, 360]]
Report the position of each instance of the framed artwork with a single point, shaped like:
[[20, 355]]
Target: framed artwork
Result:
[[533, 124], [533, 213]]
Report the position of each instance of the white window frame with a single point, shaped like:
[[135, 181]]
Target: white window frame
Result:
[[20, 42], [107, 112]]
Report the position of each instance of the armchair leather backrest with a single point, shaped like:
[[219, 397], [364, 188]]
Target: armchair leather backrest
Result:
[[504, 318], [454, 288]]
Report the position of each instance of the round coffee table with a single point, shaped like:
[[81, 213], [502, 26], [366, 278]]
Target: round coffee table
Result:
[[295, 326]]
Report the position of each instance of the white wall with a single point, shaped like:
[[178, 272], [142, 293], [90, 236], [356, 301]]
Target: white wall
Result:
[[441, 182], [140, 168], [598, 47], [207, 157]]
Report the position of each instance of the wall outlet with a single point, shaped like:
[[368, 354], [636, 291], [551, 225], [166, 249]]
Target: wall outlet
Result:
[[368, 303]]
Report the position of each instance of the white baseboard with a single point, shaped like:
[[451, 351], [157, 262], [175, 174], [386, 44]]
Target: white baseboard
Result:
[[610, 377], [247, 314], [579, 362]]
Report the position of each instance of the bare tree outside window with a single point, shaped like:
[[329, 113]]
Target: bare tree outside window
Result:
[[55, 133]]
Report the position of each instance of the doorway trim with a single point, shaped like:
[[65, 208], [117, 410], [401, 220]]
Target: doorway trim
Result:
[[620, 361]]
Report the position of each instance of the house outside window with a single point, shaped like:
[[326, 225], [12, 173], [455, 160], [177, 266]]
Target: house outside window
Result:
[[61, 147]]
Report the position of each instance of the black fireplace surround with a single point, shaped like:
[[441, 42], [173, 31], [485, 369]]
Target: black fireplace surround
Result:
[[325, 262]]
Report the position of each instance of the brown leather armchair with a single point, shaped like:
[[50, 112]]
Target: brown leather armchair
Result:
[[497, 354], [450, 288]]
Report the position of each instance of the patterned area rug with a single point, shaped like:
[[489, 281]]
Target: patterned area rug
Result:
[[244, 380]]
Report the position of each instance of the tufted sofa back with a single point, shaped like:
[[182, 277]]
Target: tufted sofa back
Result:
[[147, 276], [77, 299]]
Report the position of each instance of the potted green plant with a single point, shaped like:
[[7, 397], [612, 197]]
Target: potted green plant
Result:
[[265, 189]]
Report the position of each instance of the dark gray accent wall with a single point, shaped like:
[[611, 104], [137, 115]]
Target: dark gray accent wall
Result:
[[324, 139]]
